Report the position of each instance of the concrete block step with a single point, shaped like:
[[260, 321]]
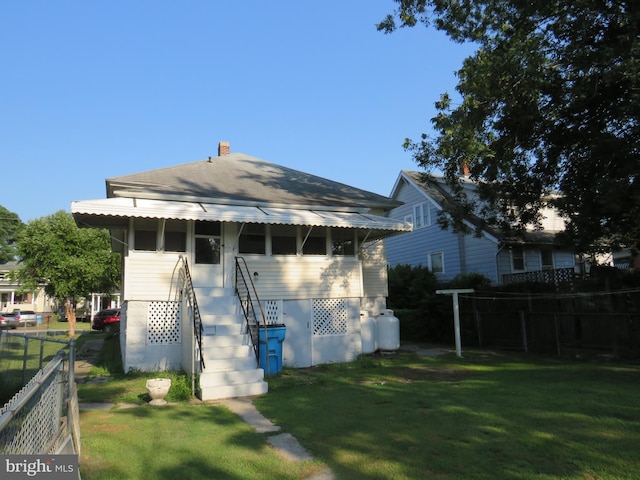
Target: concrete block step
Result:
[[224, 329], [209, 341], [218, 305], [232, 391], [234, 351], [214, 292], [225, 364], [231, 377], [229, 318]]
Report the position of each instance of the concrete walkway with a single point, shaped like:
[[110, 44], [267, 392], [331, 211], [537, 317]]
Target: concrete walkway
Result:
[[285, 444]]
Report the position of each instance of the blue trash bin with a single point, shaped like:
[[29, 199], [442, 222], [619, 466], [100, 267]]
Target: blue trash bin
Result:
[[270, 348]]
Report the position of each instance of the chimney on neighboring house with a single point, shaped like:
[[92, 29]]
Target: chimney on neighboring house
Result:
[[224, 149], [464, 168]]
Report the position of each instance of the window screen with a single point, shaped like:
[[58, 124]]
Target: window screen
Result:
[[252, 239], [284, 239]]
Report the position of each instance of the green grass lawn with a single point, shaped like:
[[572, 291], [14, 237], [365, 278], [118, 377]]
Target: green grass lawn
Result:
[[184, 442], [489, 415], [486, 416]]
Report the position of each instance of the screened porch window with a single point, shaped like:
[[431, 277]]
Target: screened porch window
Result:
[[175, 236], [343, 241], [284, 239], [316, 241], [252, 239], [145, 234]]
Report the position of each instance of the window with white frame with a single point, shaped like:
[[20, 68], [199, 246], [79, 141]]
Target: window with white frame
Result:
[[517, 259], [421, 215], [436, 262], [409, 219], [546, 258]]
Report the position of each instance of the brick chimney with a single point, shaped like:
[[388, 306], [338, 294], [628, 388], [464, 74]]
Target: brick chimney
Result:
[[224, 149], [464, 168]]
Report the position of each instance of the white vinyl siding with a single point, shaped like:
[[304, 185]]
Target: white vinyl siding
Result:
[[149, 276], [409, 248], [282, 278], [461, 253], [374, 270]]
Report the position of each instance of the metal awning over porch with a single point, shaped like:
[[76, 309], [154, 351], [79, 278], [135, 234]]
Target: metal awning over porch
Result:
[[114, 213]]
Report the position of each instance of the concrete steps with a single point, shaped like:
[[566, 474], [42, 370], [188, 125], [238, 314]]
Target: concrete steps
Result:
[[231, 369]]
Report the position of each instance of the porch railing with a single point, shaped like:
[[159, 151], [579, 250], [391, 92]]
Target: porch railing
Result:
[[190, 294], [553, 276], [250, 303]]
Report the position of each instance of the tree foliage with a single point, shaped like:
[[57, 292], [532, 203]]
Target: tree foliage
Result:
[[10, 225], [549, 115], [71, 263]]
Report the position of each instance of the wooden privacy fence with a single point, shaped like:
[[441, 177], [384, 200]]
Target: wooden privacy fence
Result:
[[607, 322]]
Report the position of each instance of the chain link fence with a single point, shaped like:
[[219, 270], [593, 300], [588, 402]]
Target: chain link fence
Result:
[[43, 416]]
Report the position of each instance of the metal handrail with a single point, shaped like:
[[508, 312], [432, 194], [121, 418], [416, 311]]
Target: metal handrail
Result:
[[246, 292], [198, 329]]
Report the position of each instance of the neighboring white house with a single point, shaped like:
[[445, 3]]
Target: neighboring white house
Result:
[[312, 247], [12, 297], [502, 259]]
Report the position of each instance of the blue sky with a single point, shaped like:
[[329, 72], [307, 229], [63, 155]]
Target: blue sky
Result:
[[96, 89]]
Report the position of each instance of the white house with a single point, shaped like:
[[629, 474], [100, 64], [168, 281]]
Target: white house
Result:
[[533, 256], [197, 238]]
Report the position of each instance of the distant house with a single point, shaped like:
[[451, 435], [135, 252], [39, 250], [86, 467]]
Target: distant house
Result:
[[197, 238], [13, 297], [532, 257]]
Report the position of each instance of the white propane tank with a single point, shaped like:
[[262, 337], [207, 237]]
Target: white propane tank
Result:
[[388, 331], [368, 332]]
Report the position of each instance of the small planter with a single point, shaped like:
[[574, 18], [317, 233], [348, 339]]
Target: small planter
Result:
[[157, 388]]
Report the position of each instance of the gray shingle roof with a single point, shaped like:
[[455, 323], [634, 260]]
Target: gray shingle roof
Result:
[[240, 178]]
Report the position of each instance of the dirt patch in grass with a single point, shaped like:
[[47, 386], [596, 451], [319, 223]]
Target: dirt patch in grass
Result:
[[418, 374], [431, 374]]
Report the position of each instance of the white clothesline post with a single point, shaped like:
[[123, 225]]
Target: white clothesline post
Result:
[[456, 313]]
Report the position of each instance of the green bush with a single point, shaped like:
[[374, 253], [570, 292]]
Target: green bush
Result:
[[425, 316], [410, 287]]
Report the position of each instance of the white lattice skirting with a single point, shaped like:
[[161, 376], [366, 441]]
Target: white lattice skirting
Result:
[[329, 316], [163, 323]]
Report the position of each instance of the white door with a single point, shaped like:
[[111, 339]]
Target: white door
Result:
[[296, 349], [207, 263]]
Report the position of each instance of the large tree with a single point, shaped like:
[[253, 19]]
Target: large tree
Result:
[[549, 112], [10, 225], [70, 262]]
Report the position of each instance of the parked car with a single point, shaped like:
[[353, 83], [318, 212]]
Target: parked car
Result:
[[7, 320], [107, 320], [25, 318]]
